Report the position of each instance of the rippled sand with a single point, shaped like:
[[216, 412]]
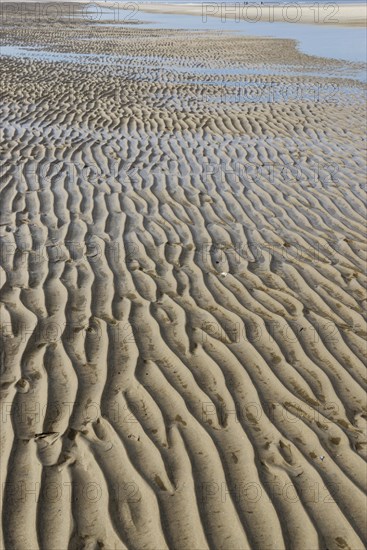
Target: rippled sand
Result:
[[183, 293]]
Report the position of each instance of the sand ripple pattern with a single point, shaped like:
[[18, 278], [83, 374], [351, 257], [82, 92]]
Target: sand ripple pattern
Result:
[[183, 309]]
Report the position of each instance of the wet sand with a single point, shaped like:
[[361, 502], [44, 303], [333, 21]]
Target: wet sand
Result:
[[182, 292]]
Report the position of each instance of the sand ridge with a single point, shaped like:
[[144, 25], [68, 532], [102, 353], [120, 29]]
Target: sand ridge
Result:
[[183, 297]]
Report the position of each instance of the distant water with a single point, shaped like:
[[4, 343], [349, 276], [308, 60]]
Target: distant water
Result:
[[332, 41]]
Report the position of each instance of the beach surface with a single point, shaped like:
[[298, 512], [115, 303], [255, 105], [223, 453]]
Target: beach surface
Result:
[[183, 291]]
